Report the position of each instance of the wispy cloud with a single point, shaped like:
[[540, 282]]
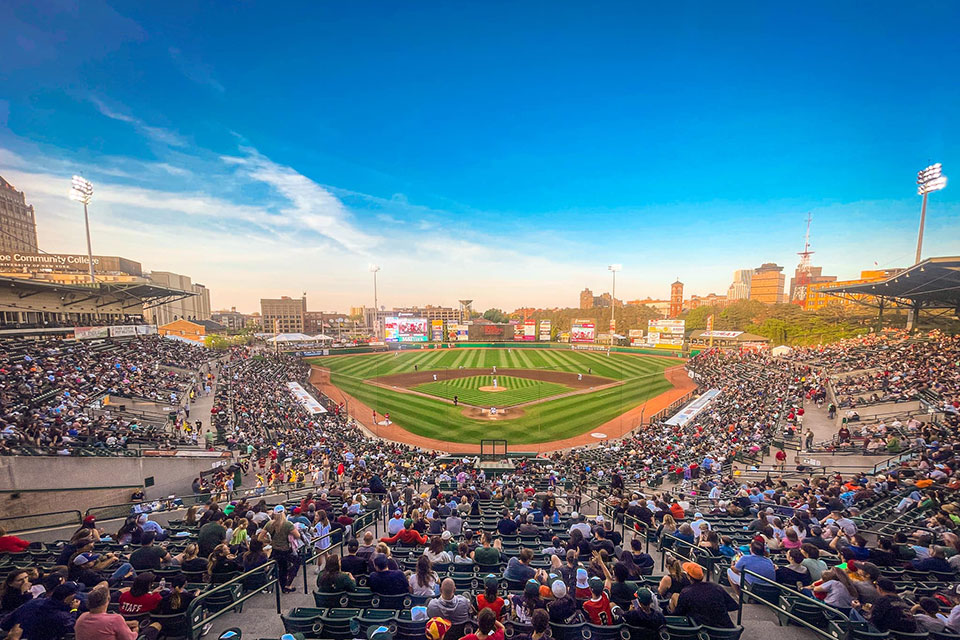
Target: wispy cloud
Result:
[[157, 134], [195, 70], [310, 204]]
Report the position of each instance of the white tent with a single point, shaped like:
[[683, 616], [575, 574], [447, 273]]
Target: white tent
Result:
[[290, 337], [322, 338], [781, 350]]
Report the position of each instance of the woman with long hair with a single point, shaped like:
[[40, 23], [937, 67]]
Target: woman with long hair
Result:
[[436, 551], [674, 580], [255, 555], [177, 600], [424, 581], [240, 538], [222, 564], [383, 548], [840, 592], [490, 599], [191, 519], [15, 590], [189, 559], [333, 579], [633, 571]]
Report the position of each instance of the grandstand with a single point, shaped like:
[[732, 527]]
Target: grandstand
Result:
[[702, 528]]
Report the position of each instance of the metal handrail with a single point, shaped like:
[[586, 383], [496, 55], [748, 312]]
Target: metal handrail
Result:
[[837, 615], [76, 519], [195, 627], [305, 559]]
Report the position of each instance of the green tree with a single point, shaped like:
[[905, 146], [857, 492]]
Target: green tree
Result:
[[495, 315]]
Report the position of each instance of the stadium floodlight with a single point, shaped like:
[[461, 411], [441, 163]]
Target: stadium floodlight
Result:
[[928, 180], [374, 268], [613, 268], [81, 190]]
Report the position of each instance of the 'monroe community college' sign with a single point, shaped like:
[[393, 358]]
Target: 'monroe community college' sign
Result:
[[68, 262]]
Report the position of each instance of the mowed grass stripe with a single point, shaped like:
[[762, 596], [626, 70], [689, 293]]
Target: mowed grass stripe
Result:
[[467, 390], [542, 422]]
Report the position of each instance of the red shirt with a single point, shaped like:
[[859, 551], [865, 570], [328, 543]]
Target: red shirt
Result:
[[135, 605], [496, 635], [599, 610], [12, 544], [496, 605]]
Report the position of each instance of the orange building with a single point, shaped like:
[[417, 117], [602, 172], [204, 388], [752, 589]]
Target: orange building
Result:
[[766, 286], [193, 330], [816, 299]]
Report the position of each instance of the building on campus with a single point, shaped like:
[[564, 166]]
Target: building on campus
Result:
[[232, 320], [660, 306], [284, 314], [192, 330], [766, 284], [816, 299], [193, 307], [709, 300], [18, 222], [676, 300], [740, 288]]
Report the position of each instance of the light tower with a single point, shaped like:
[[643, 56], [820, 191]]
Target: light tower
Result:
[[613, 268], [82, 191], [929, 180], [376, 310]]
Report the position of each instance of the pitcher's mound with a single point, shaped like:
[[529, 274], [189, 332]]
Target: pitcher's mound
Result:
[[491, 388]]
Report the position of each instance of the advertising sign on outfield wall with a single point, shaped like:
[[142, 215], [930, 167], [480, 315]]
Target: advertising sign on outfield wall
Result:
[[436, 330], [545, 330], [582, 331]]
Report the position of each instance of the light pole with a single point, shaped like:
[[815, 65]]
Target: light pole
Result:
[[929, 180], [376, 325], [613, 268], [82, 191]]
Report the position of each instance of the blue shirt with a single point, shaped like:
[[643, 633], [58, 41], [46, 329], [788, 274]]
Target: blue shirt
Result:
[[759, 565]]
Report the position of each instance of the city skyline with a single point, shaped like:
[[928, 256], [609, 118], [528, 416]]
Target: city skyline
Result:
[[480, 167]]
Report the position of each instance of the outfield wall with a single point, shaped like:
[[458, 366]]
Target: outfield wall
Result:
[[663, 353]]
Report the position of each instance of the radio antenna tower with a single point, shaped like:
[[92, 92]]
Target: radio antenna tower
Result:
[[803, 269]]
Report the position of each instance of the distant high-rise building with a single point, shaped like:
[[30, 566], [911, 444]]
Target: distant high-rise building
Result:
[[740, 289], [284, 314], [676, 299], [232, 319], [18, 224], [766, 285], [195, 307], [586, 299]]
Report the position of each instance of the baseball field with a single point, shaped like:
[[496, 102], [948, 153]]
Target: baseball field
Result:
[[541, 395]]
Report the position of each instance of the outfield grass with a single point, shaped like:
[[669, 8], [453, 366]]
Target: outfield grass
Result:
[[467, 390], [544, 422]]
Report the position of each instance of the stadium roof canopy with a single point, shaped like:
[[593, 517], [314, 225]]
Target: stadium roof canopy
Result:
[[931, 284], [148, 294]]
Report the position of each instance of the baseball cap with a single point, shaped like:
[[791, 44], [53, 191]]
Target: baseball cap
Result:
[[644, 596], [600, 519], [408, 523], [65, 590], [574, 515], [279, 509], [437, 628], [559, 589], [693, 570], [582, 582], [490, 581], [230, 508], [596, 584]]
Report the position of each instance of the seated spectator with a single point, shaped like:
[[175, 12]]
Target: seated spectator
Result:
[[15, 590], [526, 603], [10, 543], [139, 598], [936, 562], [222, 564], [255, 555], [149, 556], [642, 613], [450, 606], [352, 563], [540, 624], [811, 560], [518, 567], [598, 608], [333, 579], [890, 612], [756, 562], [488, 627], [794, 575], [407, 535], [925, 614], [488, 553], [490, 599], [97, 624], [563, 607], [674, 580], [436, 551], [706, 602], [424, 581], [386, 581], [622, 590], [837, 589], [87, 569], [189, 560], [177, 599]]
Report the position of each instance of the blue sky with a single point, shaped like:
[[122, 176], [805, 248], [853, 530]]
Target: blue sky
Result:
[[505, 152]]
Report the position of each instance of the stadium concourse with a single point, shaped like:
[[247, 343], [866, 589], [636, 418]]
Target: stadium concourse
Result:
[[705, 529]]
